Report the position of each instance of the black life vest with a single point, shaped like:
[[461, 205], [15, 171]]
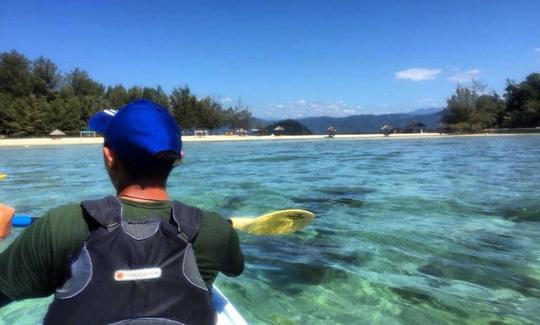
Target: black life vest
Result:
[[135, 273]]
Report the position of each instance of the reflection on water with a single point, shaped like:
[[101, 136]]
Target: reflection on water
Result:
[[429, 231]]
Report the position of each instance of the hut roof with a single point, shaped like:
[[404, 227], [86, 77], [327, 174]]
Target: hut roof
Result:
[[386, 126], [415, 124], [57, 132], [279, 128]]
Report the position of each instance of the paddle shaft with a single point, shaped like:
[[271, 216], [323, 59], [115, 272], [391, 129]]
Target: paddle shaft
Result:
[[22, 220], [274, 223]]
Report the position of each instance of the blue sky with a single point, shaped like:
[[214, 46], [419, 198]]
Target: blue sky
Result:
[[287, 58]]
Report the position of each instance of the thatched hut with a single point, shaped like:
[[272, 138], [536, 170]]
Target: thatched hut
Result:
[[241, 132], [279, 130], [57, 134], [387, 129], [331, 131], [418, 127]]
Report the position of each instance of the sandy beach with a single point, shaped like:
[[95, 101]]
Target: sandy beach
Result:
[[27, 142]]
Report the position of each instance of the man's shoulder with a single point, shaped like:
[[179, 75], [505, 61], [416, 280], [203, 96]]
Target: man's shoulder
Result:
[[215, 223], [214, 217], [66, 216], [72, 213], [209, 217], [71, 210]]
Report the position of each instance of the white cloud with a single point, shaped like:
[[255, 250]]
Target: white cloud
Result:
[[537, 50], [417, 74], [304, 108], [465, 76]]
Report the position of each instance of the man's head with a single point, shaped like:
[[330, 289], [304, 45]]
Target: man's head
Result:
[[142, 143]]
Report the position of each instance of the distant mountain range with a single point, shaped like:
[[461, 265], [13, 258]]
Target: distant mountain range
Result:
[[424, 111], [369, 123]]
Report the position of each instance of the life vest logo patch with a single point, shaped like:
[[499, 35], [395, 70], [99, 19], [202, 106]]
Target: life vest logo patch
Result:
[[138, 274]]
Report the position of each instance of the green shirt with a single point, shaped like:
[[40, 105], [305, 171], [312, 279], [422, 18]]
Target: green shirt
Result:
[[37, 262]]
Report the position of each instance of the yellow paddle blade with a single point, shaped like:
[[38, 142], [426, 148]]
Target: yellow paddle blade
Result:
[[2, 176], [274, 223]]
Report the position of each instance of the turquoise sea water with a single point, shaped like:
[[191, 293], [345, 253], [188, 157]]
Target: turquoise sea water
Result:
[[412, 231]]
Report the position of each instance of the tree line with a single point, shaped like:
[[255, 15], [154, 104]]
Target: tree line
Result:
[[472, 109], [36, 98]]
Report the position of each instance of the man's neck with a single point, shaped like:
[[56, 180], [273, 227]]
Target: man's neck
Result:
[[147, 194]]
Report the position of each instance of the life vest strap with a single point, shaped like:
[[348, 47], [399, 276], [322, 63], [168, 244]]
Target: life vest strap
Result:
[[106, 211], [187, 219]]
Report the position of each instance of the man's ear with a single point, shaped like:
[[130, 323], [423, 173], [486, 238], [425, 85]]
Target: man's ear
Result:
[[109, 157]]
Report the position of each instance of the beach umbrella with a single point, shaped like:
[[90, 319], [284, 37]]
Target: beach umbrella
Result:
[[57, 134]]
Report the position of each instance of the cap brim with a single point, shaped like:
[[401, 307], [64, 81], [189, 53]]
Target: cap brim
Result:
[[99, 121]]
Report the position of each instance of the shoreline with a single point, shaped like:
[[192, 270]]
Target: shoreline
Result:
[[27, 142]]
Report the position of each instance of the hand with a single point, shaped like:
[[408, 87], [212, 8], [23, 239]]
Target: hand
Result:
[[6, 216]]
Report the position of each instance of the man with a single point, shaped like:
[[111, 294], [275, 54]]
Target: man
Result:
[[136, 257]]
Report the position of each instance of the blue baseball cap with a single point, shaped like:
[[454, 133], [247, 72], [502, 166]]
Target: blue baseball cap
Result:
[[139, 130]]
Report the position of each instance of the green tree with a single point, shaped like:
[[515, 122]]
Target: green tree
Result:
[[15, 75], [38, 112], [210, 114], [81, 84], [88, 94], [237, 118], [35, 98], [184, 107], [26, 116], [116, 96], [523, 102], [488, 111], [156, 95], [460, 106], [134, 93], [66, 114], [7, 114], [46, 77], [470, 110]]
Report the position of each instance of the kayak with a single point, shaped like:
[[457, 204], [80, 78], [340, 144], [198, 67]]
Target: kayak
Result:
[[226, 312]]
